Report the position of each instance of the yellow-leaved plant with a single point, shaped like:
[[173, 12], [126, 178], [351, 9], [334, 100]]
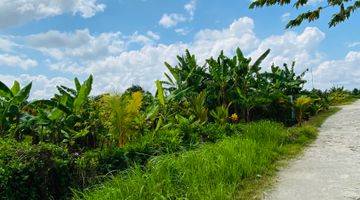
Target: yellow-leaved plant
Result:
[[301, 105], [121, 112]]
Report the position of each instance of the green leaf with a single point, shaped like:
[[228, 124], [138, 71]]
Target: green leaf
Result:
[[51, 103], [15, 88], [153, 111], [79, 134], [5, 91], [57, 112], [160, 93], [261, 58], [23, 94], [77, 84], [158, 125], [83, 94], [173, 71]]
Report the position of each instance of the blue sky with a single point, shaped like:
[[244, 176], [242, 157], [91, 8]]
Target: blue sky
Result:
[[125, 42]]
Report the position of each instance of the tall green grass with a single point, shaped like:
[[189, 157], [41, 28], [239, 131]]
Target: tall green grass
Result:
[[214, 171]]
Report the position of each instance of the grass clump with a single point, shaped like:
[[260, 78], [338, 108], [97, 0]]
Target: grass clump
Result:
[[213, 171]]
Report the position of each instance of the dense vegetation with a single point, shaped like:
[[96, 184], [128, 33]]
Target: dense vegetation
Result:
[[75, 140], [214, 171]]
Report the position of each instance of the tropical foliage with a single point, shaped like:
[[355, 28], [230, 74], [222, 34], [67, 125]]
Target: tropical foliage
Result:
[[74, 139]]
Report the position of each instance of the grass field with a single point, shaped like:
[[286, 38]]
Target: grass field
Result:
[[239, 167]]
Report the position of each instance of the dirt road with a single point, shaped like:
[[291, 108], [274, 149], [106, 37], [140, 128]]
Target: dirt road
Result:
[[330, 167]]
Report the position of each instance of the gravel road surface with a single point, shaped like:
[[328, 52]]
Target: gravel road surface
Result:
[[330, 167]]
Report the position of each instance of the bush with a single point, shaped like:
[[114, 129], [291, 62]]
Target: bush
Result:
[[153, 144], [168, 141], [33, 172], [213, 132], [92, 165], [46, 171]]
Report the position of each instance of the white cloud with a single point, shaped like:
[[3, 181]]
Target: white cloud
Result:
[[292, 46], [81, 44], [314, 2], [147, 39], [17, 61], [182, 31], [145, 65], [354, 44], [285, 17], [172, 19], [78, 44], [153, 35], [14, 12], [120, 68], [239, 34], [343, 72], [6, 44], [190, 8]]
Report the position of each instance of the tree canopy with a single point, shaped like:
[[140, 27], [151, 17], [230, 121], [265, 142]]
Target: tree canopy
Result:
[[346, 8]]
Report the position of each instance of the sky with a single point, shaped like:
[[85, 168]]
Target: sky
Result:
[[126, 42]]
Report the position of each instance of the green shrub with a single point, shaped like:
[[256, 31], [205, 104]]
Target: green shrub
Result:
[[46, 171], [153, 144], [33, 172], [92, 165]]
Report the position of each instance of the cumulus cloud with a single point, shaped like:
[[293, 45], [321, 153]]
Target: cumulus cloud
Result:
[[115, 70], [172, 19], [292, 46], [153, 35], [6, 44], [17, 61], [77, 44], [343, 72], [81, 44], [14, 12], [210, 42], [143, 66]]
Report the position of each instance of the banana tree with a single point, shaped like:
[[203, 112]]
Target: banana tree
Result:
[[186, 78], [286, 80], [65, 117], [227, 75], [12, 102], [219, 82], [252, 98]]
